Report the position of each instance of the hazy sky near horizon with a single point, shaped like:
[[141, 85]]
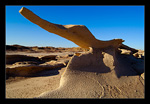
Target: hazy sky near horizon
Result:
[[104, 22]]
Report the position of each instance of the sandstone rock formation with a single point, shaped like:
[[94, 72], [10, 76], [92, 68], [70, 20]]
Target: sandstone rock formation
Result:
[[10, 59], [31, 68], [48, 58], [101, 72], [25, 66], [79, 34]]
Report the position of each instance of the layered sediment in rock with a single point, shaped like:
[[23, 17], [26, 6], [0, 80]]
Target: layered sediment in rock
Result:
[[25, 66]]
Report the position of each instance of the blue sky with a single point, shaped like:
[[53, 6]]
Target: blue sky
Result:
[[104, 22]]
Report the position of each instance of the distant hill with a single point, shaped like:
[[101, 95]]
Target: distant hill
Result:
[[17, 47]]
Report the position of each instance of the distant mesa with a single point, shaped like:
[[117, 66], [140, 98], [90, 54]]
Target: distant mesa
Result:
[[101, 72]]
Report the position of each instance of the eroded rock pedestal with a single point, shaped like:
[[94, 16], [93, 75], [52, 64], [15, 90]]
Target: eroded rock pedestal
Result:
[[99, 73]]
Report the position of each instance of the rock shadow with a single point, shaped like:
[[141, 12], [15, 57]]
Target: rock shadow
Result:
[[106, 60], [44, 73], [95, 65], [89, 62], [47, 73], [128, 65]]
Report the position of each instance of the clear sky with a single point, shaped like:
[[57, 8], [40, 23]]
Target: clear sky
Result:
[[104, 22]]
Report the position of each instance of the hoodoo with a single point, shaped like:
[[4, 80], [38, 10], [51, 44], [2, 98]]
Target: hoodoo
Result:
[[102, 72]]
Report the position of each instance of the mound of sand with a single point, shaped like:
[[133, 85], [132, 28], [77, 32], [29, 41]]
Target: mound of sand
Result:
[[100, 73]]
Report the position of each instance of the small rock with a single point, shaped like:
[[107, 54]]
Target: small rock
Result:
[[48, 58]]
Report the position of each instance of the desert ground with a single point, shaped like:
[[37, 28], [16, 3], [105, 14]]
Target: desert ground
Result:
[[29, 86], [32, 71], [100, 69]]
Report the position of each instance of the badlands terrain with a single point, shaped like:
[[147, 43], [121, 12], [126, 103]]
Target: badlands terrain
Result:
[[31, 71], [35, 72], [95, 69]]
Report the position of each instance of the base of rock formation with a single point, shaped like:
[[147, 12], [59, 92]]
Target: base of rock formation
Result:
[[100, 73]]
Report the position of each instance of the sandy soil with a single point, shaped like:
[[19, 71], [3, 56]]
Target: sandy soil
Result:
[[30, 87], [21, 87], [38, 54]]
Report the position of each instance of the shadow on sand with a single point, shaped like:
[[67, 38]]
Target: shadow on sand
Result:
[[46, 73]]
